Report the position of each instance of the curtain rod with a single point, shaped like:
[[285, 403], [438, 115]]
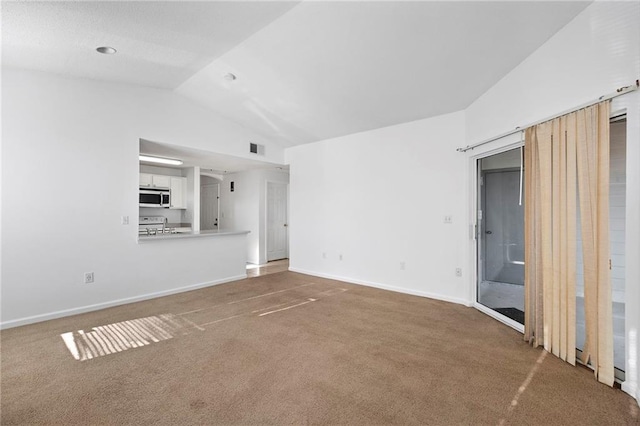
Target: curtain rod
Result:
[[619, 92]]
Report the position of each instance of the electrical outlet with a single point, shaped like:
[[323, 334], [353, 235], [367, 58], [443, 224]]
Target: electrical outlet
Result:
[[88, 277], [340, 256], [458, 272], [324, 254], [448, 219], [125, 220], [402, 266]]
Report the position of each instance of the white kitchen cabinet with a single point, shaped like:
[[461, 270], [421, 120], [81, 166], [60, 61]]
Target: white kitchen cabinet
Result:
[[160, 181], [178, 187], [148, 180]]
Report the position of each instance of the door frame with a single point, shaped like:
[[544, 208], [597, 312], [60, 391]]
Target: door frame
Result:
[[498, 146]]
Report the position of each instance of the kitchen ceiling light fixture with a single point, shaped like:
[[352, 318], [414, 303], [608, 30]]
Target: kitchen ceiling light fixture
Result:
[[161, 160], [107, 50], [229, 77]]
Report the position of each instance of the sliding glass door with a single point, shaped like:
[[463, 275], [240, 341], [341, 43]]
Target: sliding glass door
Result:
[[500, 240], [501, 234], [617, 235]]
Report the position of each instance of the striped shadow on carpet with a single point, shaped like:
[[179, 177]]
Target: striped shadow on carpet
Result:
[[125, 335]]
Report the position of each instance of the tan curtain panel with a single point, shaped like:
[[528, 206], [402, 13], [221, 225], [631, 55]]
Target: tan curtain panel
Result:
[[566, 160]]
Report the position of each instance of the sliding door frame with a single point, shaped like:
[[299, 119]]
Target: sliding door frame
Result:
[[629, 105], [498, 146]]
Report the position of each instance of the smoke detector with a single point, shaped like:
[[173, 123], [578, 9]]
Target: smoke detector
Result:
[[107, 50]]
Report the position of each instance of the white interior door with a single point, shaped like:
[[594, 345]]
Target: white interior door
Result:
[[277, 231], [209, 206]]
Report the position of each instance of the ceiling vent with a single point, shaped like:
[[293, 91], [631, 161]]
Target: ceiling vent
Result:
[[254, 148]]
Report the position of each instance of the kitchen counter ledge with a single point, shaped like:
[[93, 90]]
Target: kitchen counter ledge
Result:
[[180, 236]]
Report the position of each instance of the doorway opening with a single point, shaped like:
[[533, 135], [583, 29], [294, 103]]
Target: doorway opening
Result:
[[268, 268]]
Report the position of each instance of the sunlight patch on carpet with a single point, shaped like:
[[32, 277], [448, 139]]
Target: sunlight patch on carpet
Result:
[[288, 307], [269, 294], [523, 387], [285, 306], [121, 336]]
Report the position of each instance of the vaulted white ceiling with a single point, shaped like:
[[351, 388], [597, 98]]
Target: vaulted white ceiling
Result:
[[305, 71], [159, 43]]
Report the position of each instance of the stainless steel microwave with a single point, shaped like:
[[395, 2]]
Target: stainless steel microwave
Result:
[[154, 197]]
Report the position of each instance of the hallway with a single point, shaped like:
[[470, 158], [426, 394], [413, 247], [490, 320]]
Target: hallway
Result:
[[267, 268]]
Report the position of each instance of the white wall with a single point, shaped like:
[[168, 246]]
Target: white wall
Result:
[[72, 138], [379, 198], [245, 208], [158, 170], [192, 213], [596, 53], [239, 209]]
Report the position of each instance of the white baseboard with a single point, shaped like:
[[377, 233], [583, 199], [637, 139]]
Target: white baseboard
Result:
[[98, 306], [385, 287]]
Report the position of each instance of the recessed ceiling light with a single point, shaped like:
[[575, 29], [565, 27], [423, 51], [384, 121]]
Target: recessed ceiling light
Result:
[[160, 160], [229, 77], [106, 50]]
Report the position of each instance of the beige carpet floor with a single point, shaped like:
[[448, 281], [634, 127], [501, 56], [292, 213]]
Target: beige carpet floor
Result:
[[288, 348]]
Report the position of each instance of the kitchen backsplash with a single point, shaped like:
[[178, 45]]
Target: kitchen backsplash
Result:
[[173, 216]]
